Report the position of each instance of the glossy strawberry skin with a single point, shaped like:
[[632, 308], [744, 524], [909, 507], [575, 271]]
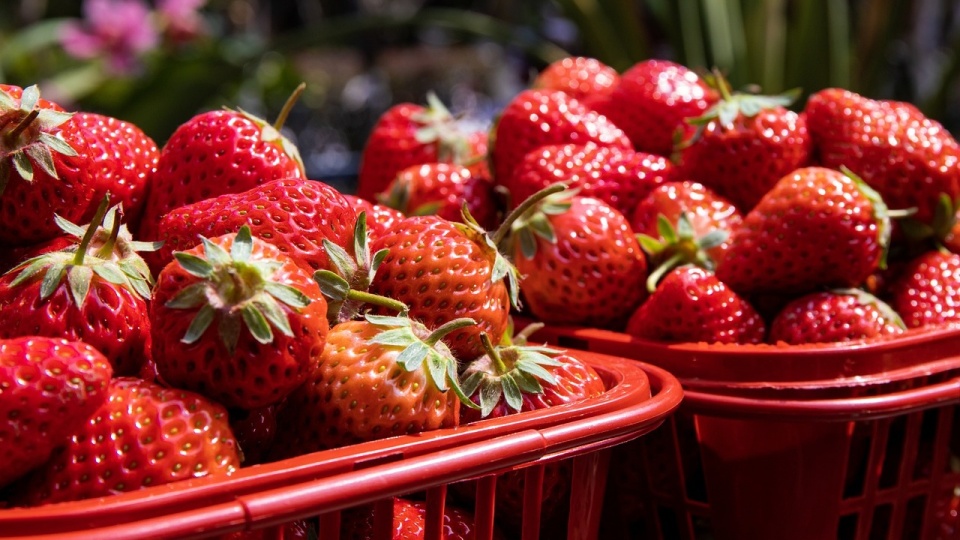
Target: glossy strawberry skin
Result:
[[143, 435], [48, 388], [742, 161], [618, 177], [379, 217], [536, 118], [125, 159], [691, 305], [906, 157], [255, 375], [814, 228], [927, 293], [357, 392], [442, 275], [409, 522], [579, 76], [448, 186], [391, 147], [113, 319], [593, 275], [653, 100], [213, 153], [829, 317], [707, 211], [292, 214], [27, 208]]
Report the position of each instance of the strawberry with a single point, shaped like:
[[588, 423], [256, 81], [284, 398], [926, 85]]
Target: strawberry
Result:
[[652, 101], [95, 291], [48, 387], [580, 261], [215, 153], [379, 217], [536, 118], [377, 377], [270, 321], [815, 228], [743, 144], [46, 168], [294, 215], [691, 305], [441, 189], [834, 317], [143, 435], [927, 293], [579, 76], [616, 176], [125, 159], [409, 134], [255, 431], [11, 258], [909, 159], [409, 522]]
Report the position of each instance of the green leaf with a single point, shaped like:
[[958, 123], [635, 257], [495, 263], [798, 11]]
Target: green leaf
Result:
[[30, 268], [69, 227], [242, 245], [49, 119], [536, 370], [111, 272], [395, 337], [229, 329], [714, 238], [650, 245], [727, 112], [189, 297], [489, 397], [194, 265], [340, 259], [471, 383], [684, 227], [500, 268], [201, 321], [528, 383], [412, 357], [332, 286], [426, 209], [378, 258], [290, 296], [257, 324], [29, 98], [79, 278], [56, 144], [137, 245], [360, 240], [23, 166], [542, 227], [512, 394], [6, 102], [385, 320], [51, 280], [437, 365], [42, 156], [214, 253], [667, 233], [274, 314], [140, 287]]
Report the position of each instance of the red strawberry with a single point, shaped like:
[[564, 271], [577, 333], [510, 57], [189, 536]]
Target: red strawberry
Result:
[[377, 377], [652, 101], [144, 435], [406, 135], [125, 159], [292, 214], [10, 258], [927, 293], [215, 153], [379, 217], [744, 144], [441, 189], [46, 168], [618, 177], [691, 305], [536, 118], [834, 317], [580, 261], [409, 523], [815, 228], [48, 388], [270, 321], [579, 76], [909, 159], [96, 292], [255, 432]]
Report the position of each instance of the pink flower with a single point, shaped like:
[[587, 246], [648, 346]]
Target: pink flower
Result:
[[180, 19], [119, 30]]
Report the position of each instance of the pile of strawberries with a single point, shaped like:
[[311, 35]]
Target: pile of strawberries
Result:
[[184, 311]]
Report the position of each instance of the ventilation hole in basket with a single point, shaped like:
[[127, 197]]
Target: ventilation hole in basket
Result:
[[857, 460], [847, 527], [881, 521], [913, 521], [926, 444], [696, 484], [669, 523], [893, 456]]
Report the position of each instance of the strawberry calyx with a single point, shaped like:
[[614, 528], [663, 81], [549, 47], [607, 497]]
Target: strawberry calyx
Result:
[[398, 198], [534, 220], [422, 348], [26, 140], [270, 133], [105, 249], [944, 219], [346, 286], [864, 298], [509, 372], [678, 246], [439, 126], [881, 213], [237, 290]]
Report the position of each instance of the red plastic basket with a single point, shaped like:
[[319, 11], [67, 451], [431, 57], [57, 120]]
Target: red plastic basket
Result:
[[638, 400], [772, 442]]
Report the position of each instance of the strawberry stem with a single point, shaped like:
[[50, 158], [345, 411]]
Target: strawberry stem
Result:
[[288, 106], [91, 231], [22, 126], [107, 247], [505, 227], [523, 336], [447, 328], [493, 353], [377, 300], [657, 274]]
